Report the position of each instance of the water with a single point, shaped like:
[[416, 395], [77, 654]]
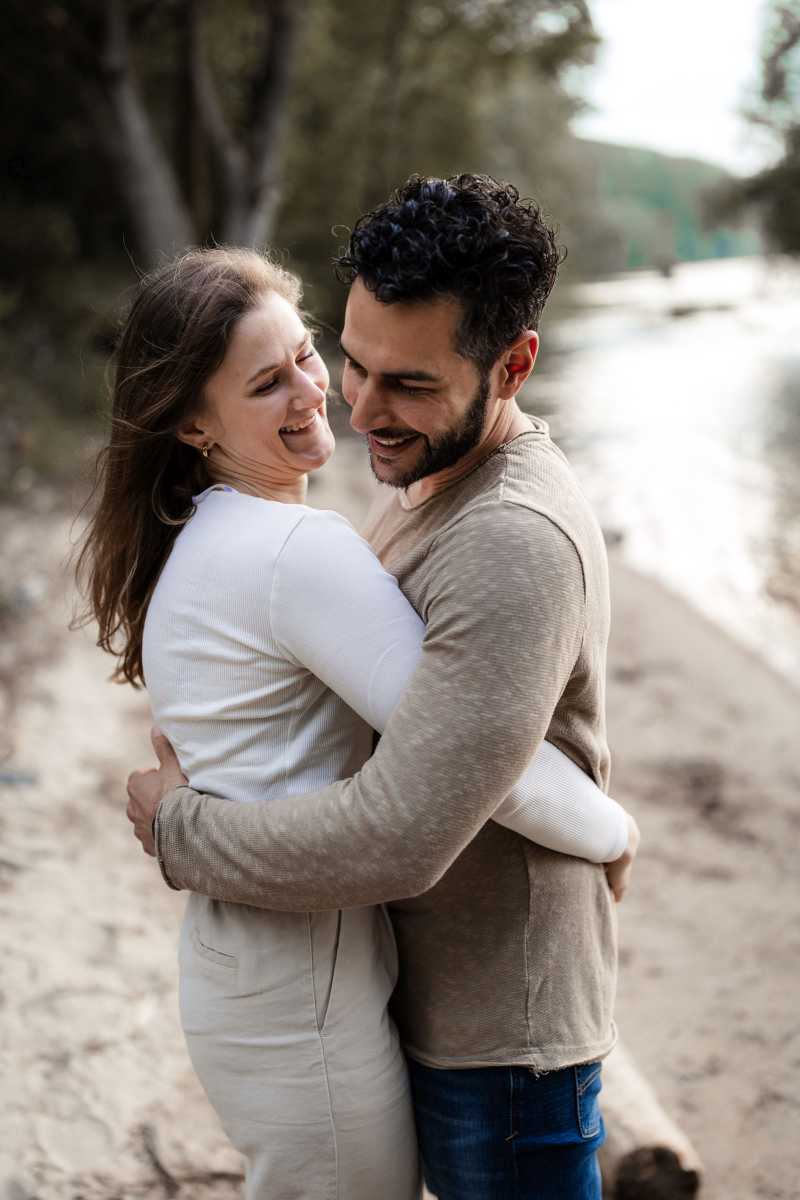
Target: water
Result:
[[678, 402]]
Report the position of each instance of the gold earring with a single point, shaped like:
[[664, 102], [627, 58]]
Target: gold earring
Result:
[[205, 449]]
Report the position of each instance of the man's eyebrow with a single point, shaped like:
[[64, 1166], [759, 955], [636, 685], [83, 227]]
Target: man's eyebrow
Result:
[[274, 366], [415, 376]]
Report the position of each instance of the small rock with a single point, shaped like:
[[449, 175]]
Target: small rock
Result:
[[82, 1144], [13, 777]]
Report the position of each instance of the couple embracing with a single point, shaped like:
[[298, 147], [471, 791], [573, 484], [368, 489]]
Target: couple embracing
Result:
[[393, 951]]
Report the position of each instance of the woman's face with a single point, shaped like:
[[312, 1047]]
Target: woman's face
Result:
[[264, 411]]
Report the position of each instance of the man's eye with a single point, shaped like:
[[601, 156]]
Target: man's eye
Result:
[[412, 391]]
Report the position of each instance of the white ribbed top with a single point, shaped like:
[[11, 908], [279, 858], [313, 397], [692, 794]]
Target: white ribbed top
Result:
[[274, 644]]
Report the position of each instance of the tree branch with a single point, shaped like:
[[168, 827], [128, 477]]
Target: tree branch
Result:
[[144, 175], [267, 116], [775, 62], [221, 141]]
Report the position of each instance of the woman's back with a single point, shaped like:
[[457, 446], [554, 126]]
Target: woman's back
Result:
[[246, 719]]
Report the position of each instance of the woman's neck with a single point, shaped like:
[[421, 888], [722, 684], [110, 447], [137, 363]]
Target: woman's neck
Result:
[[290, 488]]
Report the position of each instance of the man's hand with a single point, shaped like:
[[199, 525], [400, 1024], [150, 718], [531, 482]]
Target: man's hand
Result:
[[618, 872], [146, 790]]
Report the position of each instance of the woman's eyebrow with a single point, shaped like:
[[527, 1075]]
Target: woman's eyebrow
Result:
[[274, 366]]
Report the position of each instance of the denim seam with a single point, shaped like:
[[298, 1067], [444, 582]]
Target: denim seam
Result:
[[580, 1091], [583, 1086]]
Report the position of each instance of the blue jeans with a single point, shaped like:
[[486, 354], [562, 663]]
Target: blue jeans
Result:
[[504, 1133]]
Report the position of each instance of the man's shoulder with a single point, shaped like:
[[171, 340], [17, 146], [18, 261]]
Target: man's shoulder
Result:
[[525, 514], [500, 530], [526, 482]]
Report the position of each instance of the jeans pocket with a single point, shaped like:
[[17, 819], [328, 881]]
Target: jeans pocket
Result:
[[588, 1083]]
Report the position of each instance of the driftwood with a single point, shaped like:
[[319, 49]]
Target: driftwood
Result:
[[645, 1156]]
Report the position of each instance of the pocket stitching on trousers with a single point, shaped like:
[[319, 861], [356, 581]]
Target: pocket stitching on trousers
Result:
[[582, 1086], [324, 1008], [211, 955], [580, 1093]]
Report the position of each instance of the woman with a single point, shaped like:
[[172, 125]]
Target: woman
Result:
[[267, 687]]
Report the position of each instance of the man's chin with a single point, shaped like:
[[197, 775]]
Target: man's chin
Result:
[[395, 474]]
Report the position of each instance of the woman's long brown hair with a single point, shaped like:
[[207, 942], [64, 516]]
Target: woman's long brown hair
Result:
[[175, 337]]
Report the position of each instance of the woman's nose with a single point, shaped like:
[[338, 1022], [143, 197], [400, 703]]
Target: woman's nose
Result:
[[308, 389]]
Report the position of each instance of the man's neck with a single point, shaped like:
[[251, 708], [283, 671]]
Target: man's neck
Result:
[[509, 422]]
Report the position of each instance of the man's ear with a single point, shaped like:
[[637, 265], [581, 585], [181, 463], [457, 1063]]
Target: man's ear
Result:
[[518, 362]]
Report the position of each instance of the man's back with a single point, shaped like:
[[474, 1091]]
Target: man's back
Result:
[[511, 957]]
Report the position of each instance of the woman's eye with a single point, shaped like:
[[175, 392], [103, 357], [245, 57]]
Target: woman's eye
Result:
[[306, 355], [267, 387]]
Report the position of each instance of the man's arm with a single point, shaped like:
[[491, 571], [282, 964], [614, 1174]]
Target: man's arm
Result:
[[505, 621]]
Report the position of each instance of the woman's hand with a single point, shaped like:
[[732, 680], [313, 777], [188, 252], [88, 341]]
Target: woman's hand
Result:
[[146, 790], [618, 872]]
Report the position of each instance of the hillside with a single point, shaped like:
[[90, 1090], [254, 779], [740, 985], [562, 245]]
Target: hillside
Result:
[[652, 208]]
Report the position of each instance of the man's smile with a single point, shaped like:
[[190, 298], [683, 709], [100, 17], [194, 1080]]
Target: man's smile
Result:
[[389, 445]]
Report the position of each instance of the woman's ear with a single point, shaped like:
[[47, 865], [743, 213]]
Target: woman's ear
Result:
[[195, 433]]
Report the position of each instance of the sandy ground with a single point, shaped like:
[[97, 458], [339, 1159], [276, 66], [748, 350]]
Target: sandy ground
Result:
[[98, 1098]]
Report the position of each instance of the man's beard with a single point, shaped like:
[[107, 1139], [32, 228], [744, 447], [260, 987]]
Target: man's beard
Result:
[[446, 450]]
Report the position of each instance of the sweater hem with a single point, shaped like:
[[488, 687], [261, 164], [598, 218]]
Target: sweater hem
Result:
[[552, 1057]]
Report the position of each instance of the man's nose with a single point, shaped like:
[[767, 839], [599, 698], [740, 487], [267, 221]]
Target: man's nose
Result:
[[368, 407]]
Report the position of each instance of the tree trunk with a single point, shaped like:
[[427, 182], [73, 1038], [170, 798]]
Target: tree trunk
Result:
[[382, 112], [253, 226], [189, 151], [227, 156], [147, 183], [645, 1156]]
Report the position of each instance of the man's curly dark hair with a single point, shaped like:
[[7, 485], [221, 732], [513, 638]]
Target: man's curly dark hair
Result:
[[470, 237]]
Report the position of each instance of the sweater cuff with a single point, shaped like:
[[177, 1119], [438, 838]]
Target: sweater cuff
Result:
[[161, 833]]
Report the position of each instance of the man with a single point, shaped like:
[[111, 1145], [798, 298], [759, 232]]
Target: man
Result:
[[507, 950]]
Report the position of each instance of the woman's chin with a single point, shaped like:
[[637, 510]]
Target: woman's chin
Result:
[[313, 448], [318, 461]]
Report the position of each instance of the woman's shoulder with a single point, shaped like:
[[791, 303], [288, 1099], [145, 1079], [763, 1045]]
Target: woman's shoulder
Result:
[[322, 537], [249, 528], [244, 521]]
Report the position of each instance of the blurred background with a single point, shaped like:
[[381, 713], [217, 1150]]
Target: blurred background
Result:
[[664, 142]]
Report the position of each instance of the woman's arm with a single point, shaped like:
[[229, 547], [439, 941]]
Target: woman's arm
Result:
[[337, 612]]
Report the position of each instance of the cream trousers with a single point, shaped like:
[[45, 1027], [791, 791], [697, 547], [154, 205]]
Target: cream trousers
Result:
[[287, 1027]]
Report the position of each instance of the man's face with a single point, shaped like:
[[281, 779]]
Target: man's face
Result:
[[420, 404]]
